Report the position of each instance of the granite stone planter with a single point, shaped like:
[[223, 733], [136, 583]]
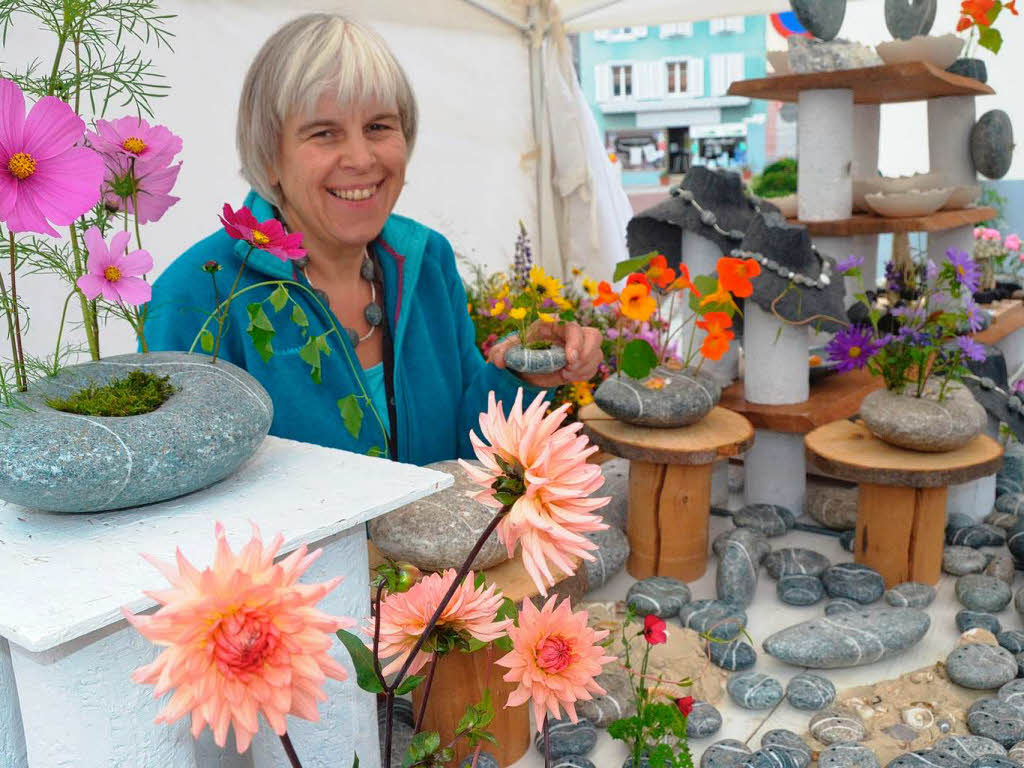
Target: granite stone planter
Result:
[[526, 360], [684, 398], [924, 423], [969, 68], [62, 462]]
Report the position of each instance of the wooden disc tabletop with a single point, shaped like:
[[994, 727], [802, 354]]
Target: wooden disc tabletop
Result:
[[720, 434], [849, 451]]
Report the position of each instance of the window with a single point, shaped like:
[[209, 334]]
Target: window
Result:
[[682, 77], [620, 34], [680, 29], [675, 78], [729, 24], [622, 81], [725, 70]]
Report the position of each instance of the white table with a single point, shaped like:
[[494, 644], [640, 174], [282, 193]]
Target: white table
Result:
[[66, 653]]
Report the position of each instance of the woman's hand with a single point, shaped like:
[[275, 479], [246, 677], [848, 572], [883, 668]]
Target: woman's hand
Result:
[[582, 352]]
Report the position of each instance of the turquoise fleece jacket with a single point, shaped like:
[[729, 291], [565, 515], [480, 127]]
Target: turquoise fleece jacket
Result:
[[440, 381]]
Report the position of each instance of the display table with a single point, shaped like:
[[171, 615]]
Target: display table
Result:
[[901, 500], [71, 654], [669, 485]]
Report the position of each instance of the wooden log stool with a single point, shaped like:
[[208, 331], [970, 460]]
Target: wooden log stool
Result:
[[669, 486], [901, 499]]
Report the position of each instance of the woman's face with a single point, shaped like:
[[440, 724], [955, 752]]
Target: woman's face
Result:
[[341, 170]]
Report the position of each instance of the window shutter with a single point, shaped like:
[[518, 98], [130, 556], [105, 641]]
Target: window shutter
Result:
[[718, 74], [645, 74], [735, 69], [658, 78], [602, 83], [685, 28], [716, 26], [734, 24], [601, 35], [667, 30], [695, 77]]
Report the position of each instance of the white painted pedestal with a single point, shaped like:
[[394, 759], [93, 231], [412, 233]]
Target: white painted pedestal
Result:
[[701, 256], [65, 578], [775, 471]]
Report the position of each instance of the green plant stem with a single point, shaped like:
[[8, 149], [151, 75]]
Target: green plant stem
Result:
[[61, 40], [140, 312], [88, 311], [60, 333], [223, 314], [21, 378], [9, 310]]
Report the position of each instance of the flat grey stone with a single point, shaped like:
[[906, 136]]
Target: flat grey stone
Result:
[[754, 690], [983, 593], [959, 561], [910, 594], [1012, 640], [616, 486], [63, 462], [822, 18], [685, 398], [753, 540], [905, 20], [923, 423], [1013, 694], [1018, 600], [734, 656], [616, 703], [969, 68], [485, 760], [966, 749], [798, 589], [769, 757], [957, 520], [1011, 504], [992, 144], [807, 55], [1016, 753], [523, 360], [567, 738], [738, 566], [720, 619], [848, 755], [703, 721], [439, 531], [572, 761], [836, 725], [609, 557], [810, 692], [724, 754], [1002, 567], [793, 560], [833, 506], [981, 667], [977, 536], [659, 595], [1005, 485], [849, 639], [1019, 658], [925, 758], [846, 540], [997, 720], [1015, 541], [854, 581], [787, 741], [770, 519], [968, 619], [1003, 520], [841, 605], [994, 761]]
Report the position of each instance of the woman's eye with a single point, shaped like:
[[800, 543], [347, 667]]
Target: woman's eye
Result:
[[379, 127]]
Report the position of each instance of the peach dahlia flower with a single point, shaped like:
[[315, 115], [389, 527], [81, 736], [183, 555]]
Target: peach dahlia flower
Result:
[[404, 616], [555, 508], [240, 638], [555, 658]]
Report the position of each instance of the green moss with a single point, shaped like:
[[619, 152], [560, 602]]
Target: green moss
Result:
[[539, 345], [139, 392], [778, 179]]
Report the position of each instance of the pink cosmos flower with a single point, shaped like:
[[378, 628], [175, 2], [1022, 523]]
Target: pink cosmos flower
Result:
[[266, 235], [239, 639], [133, 137], [113, 272], [1012, 243], [550, 461], [404, 616], [150, 182], [555, 657], [44, 178]]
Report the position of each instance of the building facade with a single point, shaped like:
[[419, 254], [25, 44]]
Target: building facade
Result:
[[659, 95]]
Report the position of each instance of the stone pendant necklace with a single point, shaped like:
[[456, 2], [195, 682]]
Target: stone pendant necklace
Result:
[[373, 313]]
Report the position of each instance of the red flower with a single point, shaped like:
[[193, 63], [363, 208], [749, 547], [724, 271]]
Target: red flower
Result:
[[1011, 7], [659, 273], [735, 274], [638, 277], [977, 10], [654, 629], [605, 294], [266, 235], [685, 705]]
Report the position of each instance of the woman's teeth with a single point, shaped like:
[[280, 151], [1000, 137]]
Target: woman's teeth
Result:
[[354, 194]]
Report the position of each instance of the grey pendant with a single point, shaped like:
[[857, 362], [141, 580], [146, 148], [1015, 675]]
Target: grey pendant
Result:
[[374, 314], [322, 295], [367, 270], [907, 18], [822, 18], [352, 336]]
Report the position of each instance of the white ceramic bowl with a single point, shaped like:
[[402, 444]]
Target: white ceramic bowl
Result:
[[962, 197], [787, 205], [939, 51], [888, 184], [897, 205], [779, 61]]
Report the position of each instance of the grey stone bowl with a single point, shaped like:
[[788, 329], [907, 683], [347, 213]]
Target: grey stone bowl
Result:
[[62, 462], [523, 360], [923, 423], [685, 399]]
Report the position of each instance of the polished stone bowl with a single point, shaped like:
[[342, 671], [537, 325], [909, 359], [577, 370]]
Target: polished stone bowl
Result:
[[924, 423], [684, 398], [63, 462]]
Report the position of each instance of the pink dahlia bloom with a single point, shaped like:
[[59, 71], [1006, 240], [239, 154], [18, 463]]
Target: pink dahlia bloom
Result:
[[555, 509], [1012, 243], [239, 639], [113, 272], [149, 182], [133, 137], [405, 615], [555, 657], [44, 178], [266, 235]]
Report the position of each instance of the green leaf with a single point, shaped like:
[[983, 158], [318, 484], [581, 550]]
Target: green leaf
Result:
[[504, 644], [991, 39], [206, 340], [279, 298], [310, 354], [362, 660], [409, 684], [446, 755], [376, 452], [324, 345], [628, 266], [261, 331], [638, 359], [508, 610], [355, 761], [424, 743], [299, 317], [479, 580], [351, 414], [704, 284]]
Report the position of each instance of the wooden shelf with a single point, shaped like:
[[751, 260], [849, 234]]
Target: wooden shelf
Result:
[[869, 224], [889, 84], [1009, 317]]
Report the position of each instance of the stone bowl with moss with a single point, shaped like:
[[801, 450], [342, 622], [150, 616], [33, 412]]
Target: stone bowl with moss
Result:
[[129, 430]]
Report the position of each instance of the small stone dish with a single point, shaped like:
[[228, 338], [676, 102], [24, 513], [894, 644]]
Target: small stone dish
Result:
[[525, 360]]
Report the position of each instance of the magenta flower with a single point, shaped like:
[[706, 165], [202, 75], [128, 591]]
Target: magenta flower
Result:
[[852, 347], [133, 137], [112, 272], [266, 235], [44, 178], [967, 273], [150, 183]]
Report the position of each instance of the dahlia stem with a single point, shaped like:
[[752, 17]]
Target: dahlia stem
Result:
[[223, 315], [389, 727], [21, 379], [426, 692], [289, 750], [547, 744]]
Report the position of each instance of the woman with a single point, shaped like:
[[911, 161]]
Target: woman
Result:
[[326, 123]]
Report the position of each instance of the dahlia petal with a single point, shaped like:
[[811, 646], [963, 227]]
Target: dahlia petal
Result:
[[12, 118], [243, 737], [51, 127]]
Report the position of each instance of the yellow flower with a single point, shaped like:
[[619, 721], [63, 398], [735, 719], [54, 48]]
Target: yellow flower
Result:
[[635, 302], [582, 392], [518, 313], [547, 317], [590, 286], [498, 308], [576, 271], [502, 293], [561, 302], [545, 285]]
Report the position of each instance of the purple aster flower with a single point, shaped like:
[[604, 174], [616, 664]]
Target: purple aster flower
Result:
[[852, 347], [849, 263], [967, 273], [909, 315], [972, 350], [915, 337], [893, 278], [974, 318], [931, 271]]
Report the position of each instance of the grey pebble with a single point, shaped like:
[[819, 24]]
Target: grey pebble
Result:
[[981, 667], [617, 701], [523, 360], [966, 749], [1004, 520], [754, 690], [770, 519], [787, 741], [485, 760], [733, 656], [1016, 753], [968, 619], [996, 719], [992, 144], [1013, 694], [568, 738], [571, 761], [1002, 567], [798, 589], [738, 566], [609, 557], [848, 755], [659, 595], [925, 758], [910, 594], [719, 618], [1010, 503], [810, 692], [980, 535], [724, 754], [841, 605], [958, 520], [1015, 541], [959, 561], [846, 540], [769, 757], [822, 18], [836, 725], [983, 593], [854, 581], [703, 721], [1011, 639], [793, 560], [994, 761], [756, 541]]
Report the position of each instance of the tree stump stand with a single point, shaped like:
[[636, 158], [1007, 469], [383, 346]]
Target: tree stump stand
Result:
[[669, 486], [901, 499]]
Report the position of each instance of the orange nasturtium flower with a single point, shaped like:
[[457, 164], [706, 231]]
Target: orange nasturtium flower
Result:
[[682, 282], [716, 344], [605, 294], [659, 272], [735, 274], [977, 10], [719, 296], [636, 302], [715, 322], [638, 278]]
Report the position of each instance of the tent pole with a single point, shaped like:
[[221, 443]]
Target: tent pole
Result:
[[601, 5], [479, 4], [536, 109]]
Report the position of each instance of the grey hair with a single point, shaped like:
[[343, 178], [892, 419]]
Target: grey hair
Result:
[[307, 57]]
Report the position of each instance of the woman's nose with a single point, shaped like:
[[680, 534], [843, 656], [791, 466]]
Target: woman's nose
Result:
[[357, 154]]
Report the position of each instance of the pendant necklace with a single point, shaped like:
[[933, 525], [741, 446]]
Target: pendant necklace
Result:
[[372, 313]]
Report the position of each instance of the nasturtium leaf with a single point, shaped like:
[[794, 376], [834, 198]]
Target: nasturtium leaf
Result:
[[351, 414], [638, 359]]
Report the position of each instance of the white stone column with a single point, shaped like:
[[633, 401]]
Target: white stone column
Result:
[[866, 121], [950, 122], [80, 706], [825, 149], [978, 497], [12, 735], [701, 256], [775, 471], [960, 238], [776, 368]]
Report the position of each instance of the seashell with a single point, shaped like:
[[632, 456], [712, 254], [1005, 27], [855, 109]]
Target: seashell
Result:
[[922, 676], [918, 717], [864, 710]]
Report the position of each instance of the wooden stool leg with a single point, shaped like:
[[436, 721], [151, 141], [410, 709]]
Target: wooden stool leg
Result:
[[669, 506], [901, 532], [460, 680]]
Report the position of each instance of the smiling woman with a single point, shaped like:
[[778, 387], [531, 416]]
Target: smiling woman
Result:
[[326, 122]]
